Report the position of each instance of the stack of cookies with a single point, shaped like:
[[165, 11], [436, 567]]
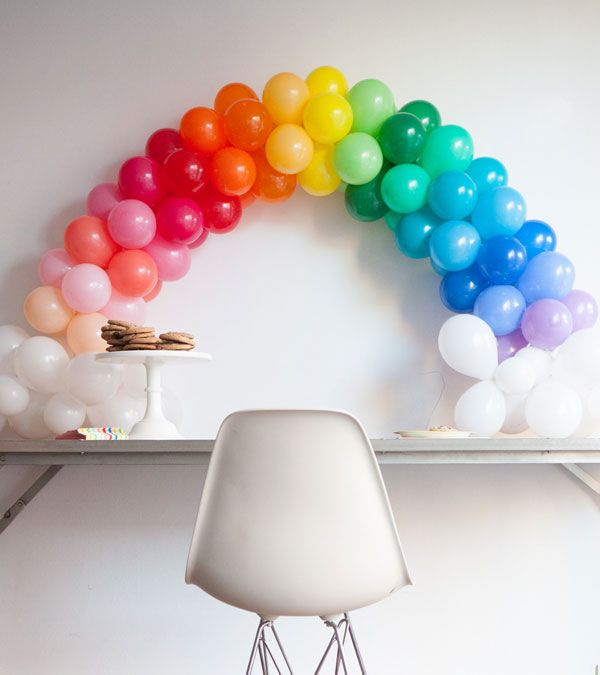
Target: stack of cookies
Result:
[[124, 336], [177, 341]]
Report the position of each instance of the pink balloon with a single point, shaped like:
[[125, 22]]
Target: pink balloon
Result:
[[179, 219], [125, 308], [200, 240], [132, 224], [53, 266], [102, 199], [86, 288], [142, 178], [172, 260]]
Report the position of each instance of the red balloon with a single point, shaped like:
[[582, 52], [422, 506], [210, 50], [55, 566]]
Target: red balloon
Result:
[[88, 241], [133, 272], [200, 240], [232, 171], [186, 172], [142, 178], [179, 219], [154, 292], [247, 199], [221, 212], [163, 143]]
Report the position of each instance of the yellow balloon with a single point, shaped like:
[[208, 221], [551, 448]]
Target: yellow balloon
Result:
[[84, 334], [289, 148], [319, 178], [46, 310], [285, 96], [328, 118], [327, 80]]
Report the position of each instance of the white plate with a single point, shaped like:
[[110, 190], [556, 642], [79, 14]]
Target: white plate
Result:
[[429, 433]]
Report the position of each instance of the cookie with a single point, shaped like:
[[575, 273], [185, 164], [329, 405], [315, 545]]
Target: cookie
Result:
[[178, 337], [142, 339], [138, 330], [175, 346], [118, 322], [114, 343], [114, 348], [139, 346]]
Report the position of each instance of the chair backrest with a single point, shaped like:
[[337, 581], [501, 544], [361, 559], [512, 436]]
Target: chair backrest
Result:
[[294, 517]]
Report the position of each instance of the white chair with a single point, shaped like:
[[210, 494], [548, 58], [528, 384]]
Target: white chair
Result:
[[294, 520]]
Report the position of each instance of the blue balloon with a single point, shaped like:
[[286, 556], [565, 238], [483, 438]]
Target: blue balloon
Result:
[[501, 307], [502, 260], [437, 269], [537, 237], [459, 290], [413, 232], [487, 173], [499, 211], [452, 195], [548, 275], [454, 245]]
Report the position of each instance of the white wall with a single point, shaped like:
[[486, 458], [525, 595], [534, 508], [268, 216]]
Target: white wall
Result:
[[300, 306]]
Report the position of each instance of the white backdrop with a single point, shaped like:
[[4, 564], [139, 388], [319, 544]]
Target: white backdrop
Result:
[[300, 306]]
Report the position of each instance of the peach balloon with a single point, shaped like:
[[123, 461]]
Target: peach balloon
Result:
[[84, 333], [289, 148], [46, 310], [285, 96]]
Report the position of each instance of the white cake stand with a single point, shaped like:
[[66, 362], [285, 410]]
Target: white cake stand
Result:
[[154, 424]]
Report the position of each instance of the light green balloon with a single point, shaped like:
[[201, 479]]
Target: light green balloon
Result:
[[448, 148], [404, 188], [372, 103], [357, 158]]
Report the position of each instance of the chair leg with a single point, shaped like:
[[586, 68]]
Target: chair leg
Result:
[[265, 654], [337, 640]]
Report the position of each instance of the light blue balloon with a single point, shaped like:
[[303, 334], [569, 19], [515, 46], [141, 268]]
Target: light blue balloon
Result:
[[501, 307], [454, 245], [437, 269], [548, 275], [414, 231], [452, 195], [499, 211], [487, 173]]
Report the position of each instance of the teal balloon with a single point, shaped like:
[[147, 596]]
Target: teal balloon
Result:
[[392, 218], [454, 245], [452, 195], [448, 148], [426, 112], [500, 211], [402, 138], [487, 173], [364, 202], [372, 102], [414, 231], [404, 188]]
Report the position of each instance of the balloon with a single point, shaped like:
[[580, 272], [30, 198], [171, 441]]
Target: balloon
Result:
[[271, 185], [247, 124], [248, 198], [499, 211], [539, 359], [157, 289], [468, 346], [553, 410], [2, 422], [547, 323], [452, 195], [510, 344], [46, 310], [230, 93], [232, 171], [91, 381], [502, 260], [440, 271], [448, 148], [459, 290], [578, 360], [221, 212], [404, 188], [548, 275], [63, 412], [171, 406], [53, 266], [88, 241], [402, 138], [357, 158], [10, 338], [162, 144], [172, 260], [203, 131], [102, 199], [119, 411], [501, 307], [185, 172], [364, 202], [132, 224], [536, 237], [86, 288], [132, 272], [142, 178], [135, 381], [481, 409], [426, 112], [30, 423], [487, 173], [127, 308], [179, 219], [285, 96], [194, 244], [372, 103], [515, 376], [14, 397], [319, 178], [84, 333], [326, 80], [40, 363], [515, 422], [327, 118], [454, 245], [413, 231], [289, 148], [583, 308]]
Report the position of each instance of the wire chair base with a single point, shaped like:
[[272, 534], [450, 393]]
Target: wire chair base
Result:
[[341, 630], [268, 655]]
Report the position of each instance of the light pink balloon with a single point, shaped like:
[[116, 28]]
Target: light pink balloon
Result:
[[132, 224], [53, 266], [125, 308], [86, 288], [102, 198], [172, 260]]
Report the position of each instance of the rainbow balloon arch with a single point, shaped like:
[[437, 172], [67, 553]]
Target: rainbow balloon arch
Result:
[[520, 327]]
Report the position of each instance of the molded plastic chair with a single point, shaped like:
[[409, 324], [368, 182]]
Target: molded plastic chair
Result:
[[294, 520]]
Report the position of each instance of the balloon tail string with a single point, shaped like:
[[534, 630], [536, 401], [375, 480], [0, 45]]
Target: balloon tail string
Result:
[[440, 395]]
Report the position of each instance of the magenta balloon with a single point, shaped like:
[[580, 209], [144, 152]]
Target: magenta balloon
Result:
[[547, 323], [101, 199], [53, 266], [142, 178], [86, 288], [132, 224], [200, 239], [125, 308], [172, 260], [583, 308], [179, 219], [509, 345]]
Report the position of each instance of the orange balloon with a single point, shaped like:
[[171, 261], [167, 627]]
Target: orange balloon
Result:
[[84, 333], [289, 148], [202, 130], [133, 272], [46, 310], [232, 171], [271, 185], [248, 198], [154, 292], [285, 96], [247, 124], [88, 241], [230, 93]]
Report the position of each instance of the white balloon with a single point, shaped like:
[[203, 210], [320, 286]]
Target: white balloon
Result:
[[515, 376], [539, 359], [41, 362], [64, 412], [10, 338], [91, 381], [30, 423], [578, 359], [14, 397], [134, 380], [468, 345], [481, 409], [172, 407], [515, 421], [121, 410], [590, 423], [553, 410]]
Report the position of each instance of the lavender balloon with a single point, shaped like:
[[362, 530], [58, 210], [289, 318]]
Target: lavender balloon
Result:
[[583, 308], [509, 345], [548, 275], [547, 323], [501, 307]]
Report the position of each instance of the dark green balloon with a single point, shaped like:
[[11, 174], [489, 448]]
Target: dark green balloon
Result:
[[426, 112], [364, 202], [402, 138]]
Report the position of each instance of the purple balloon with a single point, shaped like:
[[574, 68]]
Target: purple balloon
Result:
[[583, 308], [509, 345], [547, 323]]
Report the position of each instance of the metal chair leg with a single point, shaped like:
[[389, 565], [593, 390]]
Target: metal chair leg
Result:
[[265, 654], [337, 640]]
